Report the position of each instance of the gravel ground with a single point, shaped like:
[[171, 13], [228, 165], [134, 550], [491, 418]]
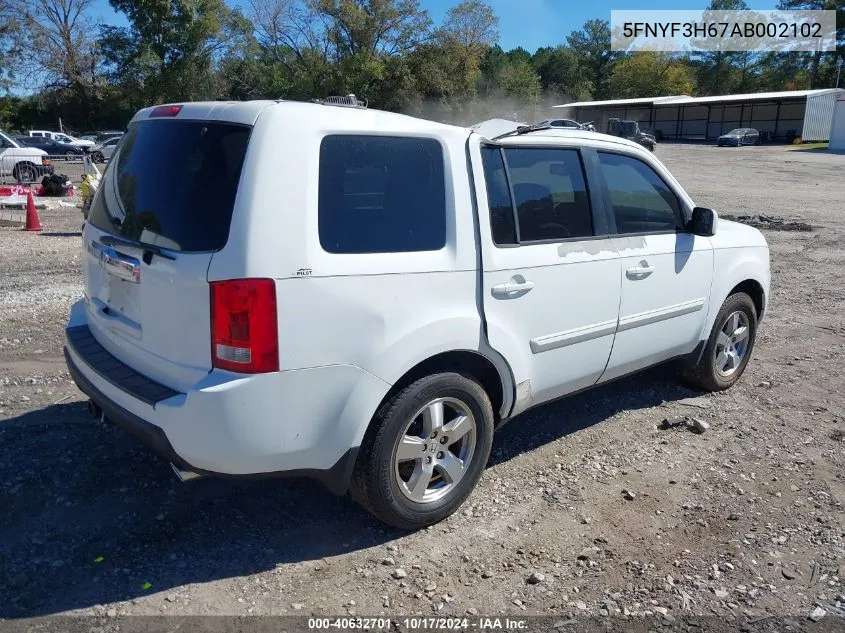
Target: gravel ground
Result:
[[588, 506]]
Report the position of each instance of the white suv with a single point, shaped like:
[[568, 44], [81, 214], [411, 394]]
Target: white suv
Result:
[[363, 297]]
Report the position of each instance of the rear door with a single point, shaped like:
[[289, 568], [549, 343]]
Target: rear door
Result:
[[164, 207], [550, 271], [665, 272]]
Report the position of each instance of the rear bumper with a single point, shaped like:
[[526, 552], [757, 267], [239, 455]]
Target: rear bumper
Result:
[[149, 434], [302, 423]]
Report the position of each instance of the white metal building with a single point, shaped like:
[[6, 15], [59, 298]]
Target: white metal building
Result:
[[784, 115], [837, 129]]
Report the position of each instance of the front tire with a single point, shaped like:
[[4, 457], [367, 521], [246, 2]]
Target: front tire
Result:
[[728, 348], [425, 451]]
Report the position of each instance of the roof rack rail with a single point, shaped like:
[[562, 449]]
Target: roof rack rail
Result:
[[348, 101]]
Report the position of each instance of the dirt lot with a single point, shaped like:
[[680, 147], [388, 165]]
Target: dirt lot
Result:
[[744, 521]]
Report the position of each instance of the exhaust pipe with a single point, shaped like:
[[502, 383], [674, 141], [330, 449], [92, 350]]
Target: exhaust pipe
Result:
[[184, 475], [96, 411]]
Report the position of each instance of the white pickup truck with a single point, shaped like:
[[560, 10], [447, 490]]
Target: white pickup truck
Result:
[[24, 164], [280, 288]]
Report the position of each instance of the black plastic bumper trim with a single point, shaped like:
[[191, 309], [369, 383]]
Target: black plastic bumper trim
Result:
[[115, 371], [148, 433]]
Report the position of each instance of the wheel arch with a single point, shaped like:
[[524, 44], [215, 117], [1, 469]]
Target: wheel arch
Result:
[[470, 363], [738, 270], [753, 289]]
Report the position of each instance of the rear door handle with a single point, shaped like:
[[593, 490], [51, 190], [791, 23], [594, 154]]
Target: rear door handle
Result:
[[511, 288], [639, 272]]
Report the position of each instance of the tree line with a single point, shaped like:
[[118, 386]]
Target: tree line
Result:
[[56, 61]]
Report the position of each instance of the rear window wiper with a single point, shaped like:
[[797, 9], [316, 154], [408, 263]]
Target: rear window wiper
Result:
[[524, 129], [114, 240]]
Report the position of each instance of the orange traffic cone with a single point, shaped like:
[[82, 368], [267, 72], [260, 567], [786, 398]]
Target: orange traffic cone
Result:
[[32, 221]]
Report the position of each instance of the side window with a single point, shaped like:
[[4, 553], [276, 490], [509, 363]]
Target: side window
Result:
[[550, 194], [642, 202], [381, 194], [498, 196]]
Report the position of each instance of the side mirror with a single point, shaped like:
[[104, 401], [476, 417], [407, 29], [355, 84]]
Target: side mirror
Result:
[[703, 222]]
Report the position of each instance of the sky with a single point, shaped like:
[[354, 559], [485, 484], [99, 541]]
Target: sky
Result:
[[530, 24]]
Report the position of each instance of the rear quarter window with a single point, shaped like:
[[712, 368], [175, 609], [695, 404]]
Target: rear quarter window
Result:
[[381, 194]]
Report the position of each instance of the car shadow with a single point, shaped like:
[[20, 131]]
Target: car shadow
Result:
[[571, 414], [62, 234], [91, 516]]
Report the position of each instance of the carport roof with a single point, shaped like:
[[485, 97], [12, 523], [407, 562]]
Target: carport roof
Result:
[[624, 102], [685, 100]]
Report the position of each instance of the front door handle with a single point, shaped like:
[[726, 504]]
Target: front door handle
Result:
[[640, 272], [512, 288]]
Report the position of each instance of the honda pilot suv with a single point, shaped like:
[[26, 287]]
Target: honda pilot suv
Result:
[[363, 297]]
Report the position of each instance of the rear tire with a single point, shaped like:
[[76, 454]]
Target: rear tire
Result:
[[728, 348], [413, 470]]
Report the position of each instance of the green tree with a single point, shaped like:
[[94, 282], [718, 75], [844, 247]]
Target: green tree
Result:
[[289, 55], [9, 26], [54, 48], [723, 72], [492, 63], [591, 44], [374, 27], [456, 53], [561, 73], [815, 61], [471, 24], [519, 81], [171, 48], [651, 74]]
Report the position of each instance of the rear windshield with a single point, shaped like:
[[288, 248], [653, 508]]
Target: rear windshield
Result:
[[173, 184]]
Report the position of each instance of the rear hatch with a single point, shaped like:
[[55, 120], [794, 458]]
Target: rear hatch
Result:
[[163, 208]]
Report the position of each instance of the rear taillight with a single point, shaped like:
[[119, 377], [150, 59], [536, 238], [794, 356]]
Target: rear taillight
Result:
[[244, 329]]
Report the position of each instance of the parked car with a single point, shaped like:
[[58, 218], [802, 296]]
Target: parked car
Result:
[[106, 135], [402, 289], [740, 136], [53, 148], [631, 130], [61, 137], [104, 151], [25, 164], [567, 123]]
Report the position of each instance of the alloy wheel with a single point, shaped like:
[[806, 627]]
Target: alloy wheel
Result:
[[732, 343], [435, 450]]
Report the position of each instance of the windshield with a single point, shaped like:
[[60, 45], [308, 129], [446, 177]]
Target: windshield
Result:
[[173, 183], [736, 132], [7, 141]]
